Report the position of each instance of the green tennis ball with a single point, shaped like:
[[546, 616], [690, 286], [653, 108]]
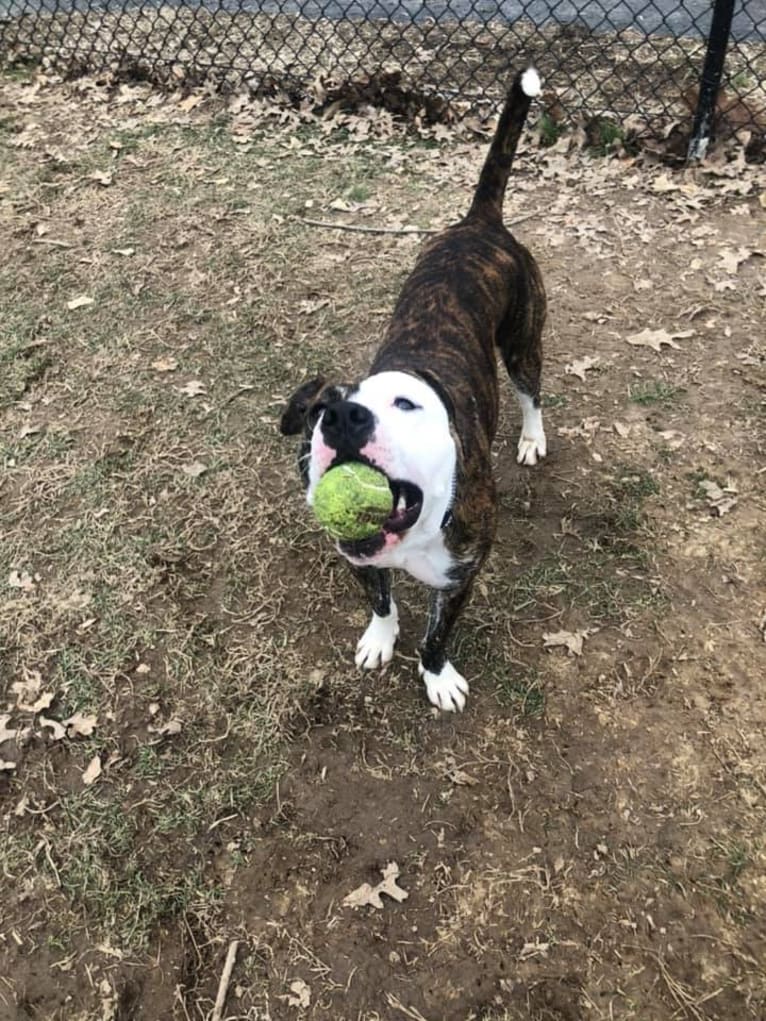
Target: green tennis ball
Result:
[[352, 501]]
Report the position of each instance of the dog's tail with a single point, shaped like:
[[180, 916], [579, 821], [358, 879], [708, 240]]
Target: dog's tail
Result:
[[488, 199]]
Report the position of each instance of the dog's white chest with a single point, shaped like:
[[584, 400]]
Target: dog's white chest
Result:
[[429, 562]]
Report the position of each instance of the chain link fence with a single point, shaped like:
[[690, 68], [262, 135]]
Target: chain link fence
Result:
[[620, 59]]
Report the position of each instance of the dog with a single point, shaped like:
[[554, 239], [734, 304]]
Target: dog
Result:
[[426, 414]]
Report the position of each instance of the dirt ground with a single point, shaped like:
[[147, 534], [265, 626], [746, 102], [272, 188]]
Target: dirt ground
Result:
[[191, 765]]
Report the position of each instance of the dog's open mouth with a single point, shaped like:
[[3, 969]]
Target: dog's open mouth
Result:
[[408, 503]]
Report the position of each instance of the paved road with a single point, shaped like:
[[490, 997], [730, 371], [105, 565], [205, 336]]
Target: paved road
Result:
[[662, 17]]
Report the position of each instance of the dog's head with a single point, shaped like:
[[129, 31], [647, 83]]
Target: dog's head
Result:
[[393, 421]]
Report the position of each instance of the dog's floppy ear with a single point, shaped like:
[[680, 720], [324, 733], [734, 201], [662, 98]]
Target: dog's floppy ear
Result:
[[294, 415]]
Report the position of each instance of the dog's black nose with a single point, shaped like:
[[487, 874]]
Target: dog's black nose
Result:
[[347, 426]]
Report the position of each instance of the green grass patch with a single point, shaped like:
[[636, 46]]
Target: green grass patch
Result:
[[652, 392], [359, 192], [631, 486], [605, 135], [550, 130], [522, 694], [22, 364], [99, 864], [550, 400]]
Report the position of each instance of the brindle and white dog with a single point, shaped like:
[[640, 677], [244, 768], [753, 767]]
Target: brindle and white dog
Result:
[[426, 414]]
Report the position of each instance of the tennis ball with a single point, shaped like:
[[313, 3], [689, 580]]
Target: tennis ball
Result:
[[352, 501]]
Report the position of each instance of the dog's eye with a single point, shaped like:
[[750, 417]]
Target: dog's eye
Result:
[[405, 404]]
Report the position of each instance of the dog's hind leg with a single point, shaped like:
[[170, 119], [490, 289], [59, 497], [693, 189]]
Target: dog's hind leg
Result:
[[532, 444], [519, 338], [376, 646]]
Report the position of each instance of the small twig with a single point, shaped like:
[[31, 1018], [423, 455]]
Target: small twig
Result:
[[411, 1012], [397, 230], [244, 388], [367, 230], [680, 994], [223, 985], [52, 241]]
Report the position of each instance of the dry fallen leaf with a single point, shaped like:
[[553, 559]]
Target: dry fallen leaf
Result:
[[300, 994], [165, 364], [81, 725], [461, 778], [6, 733], [580, 366], [194, 388], [58, 731], [536, 949], [309, 307], [656, 338], [366, 895], [173, 726], [663, 184], [21, 579], [22, 806], [104, 178], [194, 470], [27, 692], [79, 302], [190, 102], [724, 285], [6, 765], [76, 600], [672, 438], [721, 500], [730, 260], [458, 776], [572, 641], [621, 429], [93, 772], [567, 527], [587, 429]]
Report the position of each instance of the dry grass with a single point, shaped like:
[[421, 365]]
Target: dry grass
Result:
[[594, 824]]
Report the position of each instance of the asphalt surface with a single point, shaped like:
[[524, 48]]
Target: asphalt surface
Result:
[[655, 17]]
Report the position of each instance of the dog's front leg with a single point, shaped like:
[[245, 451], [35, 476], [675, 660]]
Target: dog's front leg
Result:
[[445, 687], [376, 646]]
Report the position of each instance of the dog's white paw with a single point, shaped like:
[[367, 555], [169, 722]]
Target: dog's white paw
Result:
[[376, 646], [532, 443], [532, 448], [447, 690]]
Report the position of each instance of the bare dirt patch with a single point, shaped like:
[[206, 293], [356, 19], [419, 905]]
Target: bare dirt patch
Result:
[[586, 841]]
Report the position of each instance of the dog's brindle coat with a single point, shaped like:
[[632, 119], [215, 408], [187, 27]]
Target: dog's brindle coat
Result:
[[474, 289]]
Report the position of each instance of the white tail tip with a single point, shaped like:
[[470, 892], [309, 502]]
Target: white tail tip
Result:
[[530, 83]]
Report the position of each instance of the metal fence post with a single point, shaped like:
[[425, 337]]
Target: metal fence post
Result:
[[710, 81]]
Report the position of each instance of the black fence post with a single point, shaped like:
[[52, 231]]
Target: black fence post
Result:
[[710, 81]]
